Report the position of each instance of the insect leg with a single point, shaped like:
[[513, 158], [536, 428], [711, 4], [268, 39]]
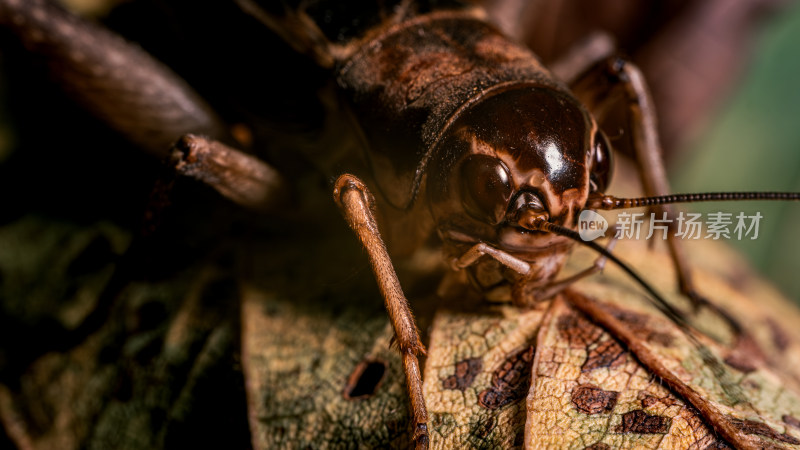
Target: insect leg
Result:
[[240, 177], [114, 80], [614, 75], [357, 206], [522, 293], [140, 98], [646, 144], [480, 249]]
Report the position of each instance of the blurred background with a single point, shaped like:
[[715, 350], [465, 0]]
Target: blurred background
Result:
[[753, 143]]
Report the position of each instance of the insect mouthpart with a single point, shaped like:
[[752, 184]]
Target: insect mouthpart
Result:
[[527, 211]]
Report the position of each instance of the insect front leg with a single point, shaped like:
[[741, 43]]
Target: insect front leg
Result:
[[480, 249], [357, 206]]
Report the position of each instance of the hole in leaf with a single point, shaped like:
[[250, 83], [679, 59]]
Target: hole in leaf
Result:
[[365, 379]]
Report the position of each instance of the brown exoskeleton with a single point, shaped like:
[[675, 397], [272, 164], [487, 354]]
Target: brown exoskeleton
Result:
[[465, 134]]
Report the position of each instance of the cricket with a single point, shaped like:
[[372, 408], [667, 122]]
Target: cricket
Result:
[[464, 143]]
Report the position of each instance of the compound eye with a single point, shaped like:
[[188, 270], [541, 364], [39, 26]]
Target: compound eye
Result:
[[601, 163], [485, 188]]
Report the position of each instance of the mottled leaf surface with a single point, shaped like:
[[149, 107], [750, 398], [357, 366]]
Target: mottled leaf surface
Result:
[[744, 385], [588, 390], [114, 362], [298, 368], [477, 375], [318, 369]]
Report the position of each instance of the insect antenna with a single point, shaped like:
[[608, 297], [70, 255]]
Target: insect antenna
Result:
[[609, 202], [598, 200]]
